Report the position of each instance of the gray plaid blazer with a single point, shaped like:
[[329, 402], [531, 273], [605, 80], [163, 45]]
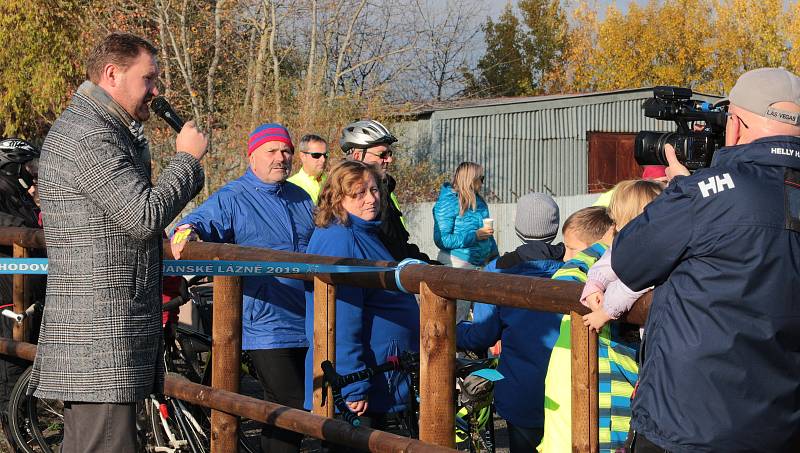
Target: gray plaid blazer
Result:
[[103, 221]]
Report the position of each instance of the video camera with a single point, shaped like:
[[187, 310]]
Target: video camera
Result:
[[694, 148]]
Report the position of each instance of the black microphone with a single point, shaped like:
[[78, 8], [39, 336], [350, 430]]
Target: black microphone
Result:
[[162, 108]]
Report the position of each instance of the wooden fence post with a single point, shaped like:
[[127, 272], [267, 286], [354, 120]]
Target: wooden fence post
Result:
[[324, 342], [21, 296], [437, 342], [226, 351], [585, 403]]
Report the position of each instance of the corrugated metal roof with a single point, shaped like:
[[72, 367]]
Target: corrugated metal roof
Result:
[[458, 104], [527, 144]]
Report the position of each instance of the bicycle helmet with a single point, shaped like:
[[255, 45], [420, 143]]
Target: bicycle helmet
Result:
[[14, 154], [365, 134]]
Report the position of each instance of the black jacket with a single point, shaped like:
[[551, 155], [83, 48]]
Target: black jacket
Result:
[[17, 208], [393, 234], [534, 250], [722, 366]]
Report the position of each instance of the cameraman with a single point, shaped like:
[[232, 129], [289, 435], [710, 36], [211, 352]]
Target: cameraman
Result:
[[721, 367]]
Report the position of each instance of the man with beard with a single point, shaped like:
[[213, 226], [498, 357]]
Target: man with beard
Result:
[[103, 219], [370, 142], [260, 209]]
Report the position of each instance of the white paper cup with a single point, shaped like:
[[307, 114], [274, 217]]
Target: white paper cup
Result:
[[488, 223]]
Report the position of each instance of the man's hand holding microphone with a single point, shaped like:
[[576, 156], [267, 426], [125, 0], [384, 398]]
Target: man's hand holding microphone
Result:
[[191, 141]]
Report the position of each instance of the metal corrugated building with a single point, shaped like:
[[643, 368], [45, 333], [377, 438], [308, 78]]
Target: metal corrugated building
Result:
[[530, 143]]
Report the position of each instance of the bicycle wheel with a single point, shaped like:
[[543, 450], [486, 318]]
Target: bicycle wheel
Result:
[[190, 356], [169, 429], [37, 425]]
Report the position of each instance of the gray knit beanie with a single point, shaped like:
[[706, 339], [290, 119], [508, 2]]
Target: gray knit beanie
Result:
[[537, 218]]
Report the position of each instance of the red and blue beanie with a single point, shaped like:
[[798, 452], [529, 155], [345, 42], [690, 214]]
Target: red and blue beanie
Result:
[[270, 132]]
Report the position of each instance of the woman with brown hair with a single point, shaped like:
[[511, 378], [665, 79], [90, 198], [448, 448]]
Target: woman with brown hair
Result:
[[371, 324]]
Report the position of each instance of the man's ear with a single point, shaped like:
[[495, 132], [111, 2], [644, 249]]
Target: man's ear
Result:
[[357, 154], [110, 74], [733, 133]]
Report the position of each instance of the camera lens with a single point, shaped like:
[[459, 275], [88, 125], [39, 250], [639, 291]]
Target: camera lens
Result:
[[649, 147]]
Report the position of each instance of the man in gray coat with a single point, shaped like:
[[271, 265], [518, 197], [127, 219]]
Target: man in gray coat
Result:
[[103, 218]]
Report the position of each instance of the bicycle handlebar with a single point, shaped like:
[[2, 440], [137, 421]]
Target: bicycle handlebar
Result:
[[19, 317], [184, 296], [336, 381], [330, 377]]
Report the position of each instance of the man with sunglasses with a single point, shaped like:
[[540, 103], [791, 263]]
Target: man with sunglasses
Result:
[[313, 157], [370, 142], [722, 247]]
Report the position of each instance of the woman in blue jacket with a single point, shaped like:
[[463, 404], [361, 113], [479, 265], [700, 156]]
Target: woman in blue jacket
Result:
[[371, 324], [458, 227], [458, 215]]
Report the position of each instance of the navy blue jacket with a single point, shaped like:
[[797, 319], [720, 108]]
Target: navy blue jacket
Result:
[[722, 350], [248, 211], [528, 337], [371, 324]]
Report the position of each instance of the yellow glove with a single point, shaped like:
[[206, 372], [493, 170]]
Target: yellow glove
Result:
[[182, 235]]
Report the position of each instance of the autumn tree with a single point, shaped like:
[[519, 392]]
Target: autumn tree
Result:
[[523, 57], [545, 43], [793, 38], [40, 63], [754, 36], [672, 42]]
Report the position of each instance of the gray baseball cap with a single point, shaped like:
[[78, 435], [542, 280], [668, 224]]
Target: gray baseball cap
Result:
[[757, 90]]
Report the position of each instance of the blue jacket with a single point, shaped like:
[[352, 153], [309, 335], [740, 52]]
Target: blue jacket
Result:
[[455, 233], [722, 349], [371, 324], [249, 212], [528, 337]]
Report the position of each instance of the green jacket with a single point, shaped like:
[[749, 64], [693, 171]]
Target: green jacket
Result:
[[304, 181]]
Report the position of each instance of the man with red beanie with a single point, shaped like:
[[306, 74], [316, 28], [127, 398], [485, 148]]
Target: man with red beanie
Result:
[[261, 209]]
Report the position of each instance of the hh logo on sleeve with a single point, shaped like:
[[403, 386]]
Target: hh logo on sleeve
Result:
[[716, 184]]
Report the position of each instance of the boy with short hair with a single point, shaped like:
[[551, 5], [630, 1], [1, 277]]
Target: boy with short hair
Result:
[[614, 390], [527, 336]]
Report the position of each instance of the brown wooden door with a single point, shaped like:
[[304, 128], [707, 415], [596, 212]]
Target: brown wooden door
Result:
[[611, 160]]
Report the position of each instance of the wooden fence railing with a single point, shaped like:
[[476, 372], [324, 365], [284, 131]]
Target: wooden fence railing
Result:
[[438, 287]]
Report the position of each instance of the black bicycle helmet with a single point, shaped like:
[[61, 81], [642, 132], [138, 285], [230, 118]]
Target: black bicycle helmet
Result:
[[14, 154], [365, 134]]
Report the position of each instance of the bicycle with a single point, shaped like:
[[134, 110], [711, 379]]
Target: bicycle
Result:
[[164, 424], [475, 411], [36, 425]]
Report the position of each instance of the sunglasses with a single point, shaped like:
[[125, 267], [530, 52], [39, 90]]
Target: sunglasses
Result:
[[384, 155], [738, 118], [316, 155]]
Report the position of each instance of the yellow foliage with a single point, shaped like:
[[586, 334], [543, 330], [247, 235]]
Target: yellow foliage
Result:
[[39, 63], [701, 44]]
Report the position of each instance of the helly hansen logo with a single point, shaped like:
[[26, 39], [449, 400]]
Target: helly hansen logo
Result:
[[716, 184]]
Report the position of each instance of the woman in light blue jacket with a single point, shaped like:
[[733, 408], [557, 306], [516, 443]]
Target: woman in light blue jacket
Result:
[[458, 228]]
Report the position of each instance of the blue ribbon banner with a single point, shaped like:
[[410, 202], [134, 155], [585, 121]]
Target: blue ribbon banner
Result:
[[207, 267]]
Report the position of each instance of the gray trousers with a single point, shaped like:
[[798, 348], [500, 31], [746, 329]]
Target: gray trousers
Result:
[[99, 428]]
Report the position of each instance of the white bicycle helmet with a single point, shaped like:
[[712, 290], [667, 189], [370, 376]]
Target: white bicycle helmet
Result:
[[365, 134]]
